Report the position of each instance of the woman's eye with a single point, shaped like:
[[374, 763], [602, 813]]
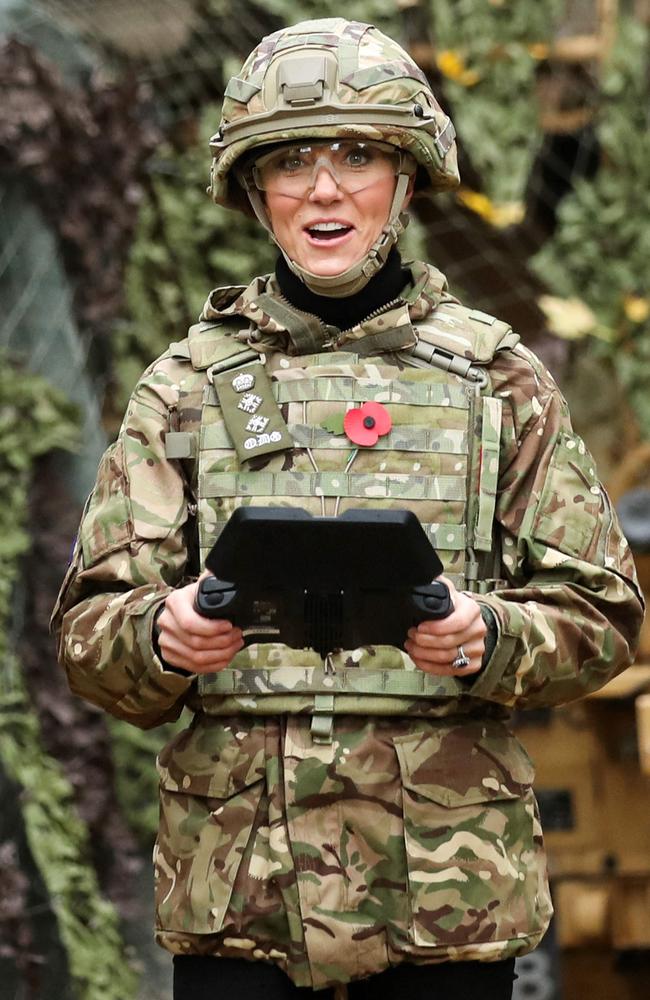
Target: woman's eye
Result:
[[358, 158], [290, 164]]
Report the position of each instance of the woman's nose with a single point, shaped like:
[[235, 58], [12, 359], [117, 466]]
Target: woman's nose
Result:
[[325, 186]]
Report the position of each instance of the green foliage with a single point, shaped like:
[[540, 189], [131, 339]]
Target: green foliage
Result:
[[385, 14], [34, 418], [488, 53], [601, 249], [185, 245], [479, 26], [58, 841]]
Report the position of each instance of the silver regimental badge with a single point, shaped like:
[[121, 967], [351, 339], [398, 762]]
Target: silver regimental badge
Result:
[[257, 424], [249, 403], [243, 382], [262, 439]]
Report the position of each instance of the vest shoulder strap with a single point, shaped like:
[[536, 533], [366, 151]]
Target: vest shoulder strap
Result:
[[467, 334], [213, 345]]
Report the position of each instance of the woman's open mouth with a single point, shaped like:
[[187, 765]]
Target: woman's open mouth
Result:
[[321, 233]]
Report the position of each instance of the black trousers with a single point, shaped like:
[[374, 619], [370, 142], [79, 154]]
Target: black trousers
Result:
[[197, 977]]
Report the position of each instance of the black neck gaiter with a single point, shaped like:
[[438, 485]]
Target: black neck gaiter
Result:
[[346, 312]]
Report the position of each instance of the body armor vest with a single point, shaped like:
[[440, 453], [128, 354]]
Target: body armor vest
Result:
[[440, 460]]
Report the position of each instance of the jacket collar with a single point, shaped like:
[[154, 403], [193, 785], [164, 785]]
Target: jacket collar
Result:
[[279, 325]]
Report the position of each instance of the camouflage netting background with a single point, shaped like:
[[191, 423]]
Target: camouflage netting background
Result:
[[108, 249]]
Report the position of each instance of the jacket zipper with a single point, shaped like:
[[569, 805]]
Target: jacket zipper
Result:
[[324, 326]]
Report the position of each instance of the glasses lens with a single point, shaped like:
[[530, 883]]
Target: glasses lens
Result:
[[294, 170]]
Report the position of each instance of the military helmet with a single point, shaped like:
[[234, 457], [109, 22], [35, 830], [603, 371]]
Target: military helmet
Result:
[[330, 78]]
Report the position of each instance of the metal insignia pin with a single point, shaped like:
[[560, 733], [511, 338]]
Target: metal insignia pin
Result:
[[257, 424], [243, 382], [249, 403]]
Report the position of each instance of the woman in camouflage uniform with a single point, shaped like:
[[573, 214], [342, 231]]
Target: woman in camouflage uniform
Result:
[[368, 820]]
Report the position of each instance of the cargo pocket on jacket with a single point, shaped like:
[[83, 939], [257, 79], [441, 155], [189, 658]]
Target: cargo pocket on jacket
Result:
[[473, 843], [209, 797], [573, 513]]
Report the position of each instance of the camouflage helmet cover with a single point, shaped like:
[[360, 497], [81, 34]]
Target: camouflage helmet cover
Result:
[[331, 78]]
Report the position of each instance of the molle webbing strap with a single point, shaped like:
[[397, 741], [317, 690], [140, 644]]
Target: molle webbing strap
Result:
[[322, 720], [354, 391], [243, 90], [488, 473], [304, 39], [342, 357], [348, 51], [407, 437], [332, 484], [452, 537], [361, 390], [320, 681]]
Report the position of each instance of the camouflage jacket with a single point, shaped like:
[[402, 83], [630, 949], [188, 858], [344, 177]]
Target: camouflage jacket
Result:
[[413, 836]]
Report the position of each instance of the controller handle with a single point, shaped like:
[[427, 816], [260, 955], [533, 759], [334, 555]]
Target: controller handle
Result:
[[215, 598], [432, 601]]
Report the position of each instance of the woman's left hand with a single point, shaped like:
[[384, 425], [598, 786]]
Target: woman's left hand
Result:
[[434, 644]]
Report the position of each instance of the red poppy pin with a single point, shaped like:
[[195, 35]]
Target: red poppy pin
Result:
[[366, 424]]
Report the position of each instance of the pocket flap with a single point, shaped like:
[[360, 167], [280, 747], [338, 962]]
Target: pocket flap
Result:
[[213, 759], [465, 763]]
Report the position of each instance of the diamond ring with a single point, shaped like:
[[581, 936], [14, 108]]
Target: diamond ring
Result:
[[462, 660]]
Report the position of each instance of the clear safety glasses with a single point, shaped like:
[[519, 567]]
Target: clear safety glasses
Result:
[[354, 165]]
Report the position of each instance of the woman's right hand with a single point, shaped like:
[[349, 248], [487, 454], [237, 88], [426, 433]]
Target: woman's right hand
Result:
[[191, 642]]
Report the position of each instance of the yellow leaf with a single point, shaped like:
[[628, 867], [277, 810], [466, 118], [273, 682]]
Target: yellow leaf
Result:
[[469, 78], [451, 64], [538, 50], [568, 318], [636, 308], [505, 214]]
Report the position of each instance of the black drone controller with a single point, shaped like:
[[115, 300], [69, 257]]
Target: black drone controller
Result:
[[282, 575]]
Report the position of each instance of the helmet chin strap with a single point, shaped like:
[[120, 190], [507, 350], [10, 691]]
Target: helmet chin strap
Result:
[[356, 277]]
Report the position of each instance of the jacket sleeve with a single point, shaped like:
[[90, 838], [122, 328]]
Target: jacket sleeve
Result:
[[570, 617], [129, 553]]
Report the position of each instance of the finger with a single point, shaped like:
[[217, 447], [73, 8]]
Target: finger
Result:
[[447, 642], [174, 650], [447, 671], [199, 642], [185, 619], [466, 617], [444, 657], [213, 665]]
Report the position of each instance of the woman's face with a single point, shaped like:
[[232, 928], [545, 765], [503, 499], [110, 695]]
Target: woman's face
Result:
[[359, 218]]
